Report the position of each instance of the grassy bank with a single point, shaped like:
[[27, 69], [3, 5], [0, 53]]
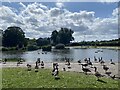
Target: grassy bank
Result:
[[21, 78]]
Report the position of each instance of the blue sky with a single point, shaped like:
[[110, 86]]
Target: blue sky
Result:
[[96, 20], [101, 9]]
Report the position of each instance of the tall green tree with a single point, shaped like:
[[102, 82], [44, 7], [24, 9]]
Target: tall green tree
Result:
[[43, 41], [64, 36], [14, 37]]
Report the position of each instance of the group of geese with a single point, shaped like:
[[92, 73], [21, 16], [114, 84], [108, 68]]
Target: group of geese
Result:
[[97, 74], [85, 69]]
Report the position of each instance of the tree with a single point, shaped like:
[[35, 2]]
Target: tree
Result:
[[14, 37], [64, 36], [55, 37], [43, 41]]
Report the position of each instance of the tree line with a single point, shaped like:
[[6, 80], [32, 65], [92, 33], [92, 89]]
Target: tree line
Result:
[[15, 37]]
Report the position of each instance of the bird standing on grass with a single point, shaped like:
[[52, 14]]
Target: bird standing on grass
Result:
[[29, 67], [42, 64], [97, 74]]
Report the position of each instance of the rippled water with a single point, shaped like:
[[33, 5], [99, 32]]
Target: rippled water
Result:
[[59, 55]]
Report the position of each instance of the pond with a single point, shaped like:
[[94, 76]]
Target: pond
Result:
[[74, 54]]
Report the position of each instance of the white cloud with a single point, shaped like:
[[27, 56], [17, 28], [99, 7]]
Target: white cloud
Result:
[[59, 5], [37, 20]]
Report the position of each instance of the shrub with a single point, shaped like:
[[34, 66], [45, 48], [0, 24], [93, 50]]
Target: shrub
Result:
[[47, 48], [32, 47]]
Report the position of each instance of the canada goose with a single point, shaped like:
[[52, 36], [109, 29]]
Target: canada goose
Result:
[[64, 69], [69, 65], [102, 62], [108, 73], [111, 62], [113, 77], [18, 62], [79, 61], [90, 63], [86, 61], [105, 68], [36, 68], [85, 64], [42, 64], [29, 67], [97, 74], [38, 61], [56, 72], [95, 59], [85, 70], [5, 60]]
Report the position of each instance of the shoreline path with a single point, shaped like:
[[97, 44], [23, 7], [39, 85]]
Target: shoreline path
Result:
[[75, 67]]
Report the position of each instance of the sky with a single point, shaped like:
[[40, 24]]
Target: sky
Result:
[[90, 21]]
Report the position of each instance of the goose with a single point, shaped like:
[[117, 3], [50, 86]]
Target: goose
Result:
[[56, 72], [108, 73], [86, 61], [90, 63], [29, 67], [85, 70], [113, 77], [38, 61], [102, 62], [111, 62], [79, 61], [69, 65], [5, 60], [36, 68], [42, 64], [95, 59], [64, 69], [84, 64], [97, 74], [105, 68]]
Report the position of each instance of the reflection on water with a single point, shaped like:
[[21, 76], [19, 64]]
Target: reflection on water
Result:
[[59, 55]]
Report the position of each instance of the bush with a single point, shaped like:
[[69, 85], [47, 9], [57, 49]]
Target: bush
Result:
[[4, 49], [32, 47], [60, 46], [47, 48]]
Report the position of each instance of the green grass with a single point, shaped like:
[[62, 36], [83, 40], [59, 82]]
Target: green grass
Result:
[[13, 59], [21, 78]]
